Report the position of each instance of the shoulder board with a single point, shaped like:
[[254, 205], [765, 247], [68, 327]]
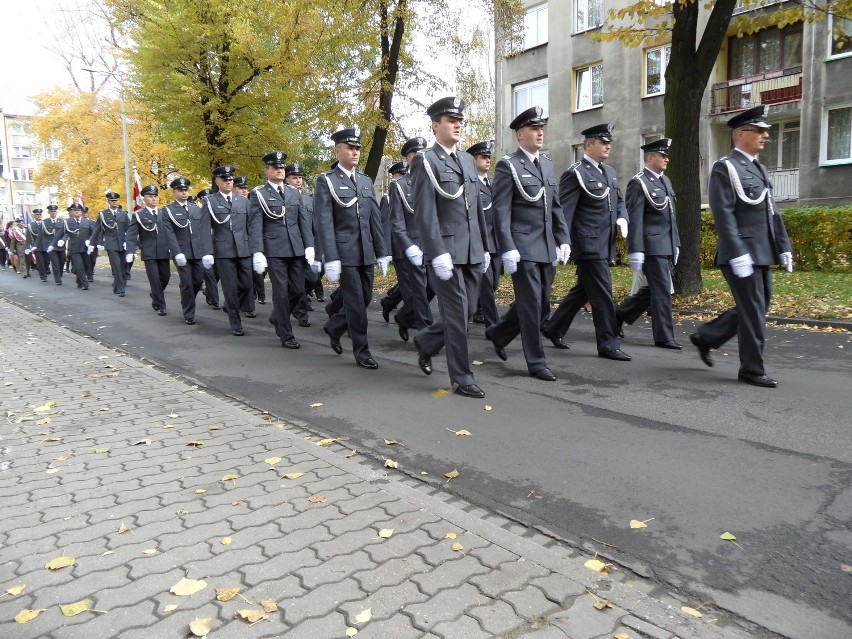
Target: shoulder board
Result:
[[506, 157], [638, 176], [545, 156], [574, 166]]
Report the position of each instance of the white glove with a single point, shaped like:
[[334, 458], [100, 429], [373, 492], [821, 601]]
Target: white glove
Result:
[[60, 243], [621, 223], [443, 265], [676, 255], [383, 264], [207, 261], [180, 259], [50, 248], [258, 262], [563, 253], [88, 244], [310, 255], [129, 258], [90, 249], [316, 267], [100, 247], [636, 260], [510, 260], [742, 265], [332, 270], [27, 251], [486, 262], [787, 261], [124, 246], [414, 255]]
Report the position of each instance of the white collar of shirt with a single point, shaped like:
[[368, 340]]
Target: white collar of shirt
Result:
[[483, 179], [594, 163], [446, 150], [532, 157], [655, 174], [348, 174], [751, 158], [276, 186]]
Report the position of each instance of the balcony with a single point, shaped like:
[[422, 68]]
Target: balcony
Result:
[[785, 184], [776, 87]]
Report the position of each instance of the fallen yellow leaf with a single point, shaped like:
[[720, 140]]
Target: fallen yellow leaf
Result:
[[195, 443], [845, 567], [635, 523], [122, 529], [168, 425], [172, 415], [73, 609], [389, 463], [201, 627], [51, 471], [450, 536], [620, 635], [317, 499], [186, 587], [487, 407], [316, 404], [230, 477], [253, 616], [28, 615], [351, 632], [53, 439], [106, 552], [43, 422], [226, 541], [441, 392], [226, 594], [104, 409], [351, 453], [326, 442], [728, 536], [457, 547], [200, 491], [452, 474], [364, 616], [597, 565], [272, 460], [691, 611], [64, 457], [462, 432], [292, 475], [60, 562], [386, 532], [600, 604], [268, 605], [44, 407], [101, 451], [16, 590], [170, 607], [150, 551], [391, 442]]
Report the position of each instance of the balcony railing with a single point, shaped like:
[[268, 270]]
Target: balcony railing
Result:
[[785, 184], [776, 87], [750, 5]]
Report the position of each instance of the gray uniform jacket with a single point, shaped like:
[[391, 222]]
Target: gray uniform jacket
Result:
[[404, 226], [454, 225], [651, 208], [111, 227], [235, 231], [284, 224], [746, 216], [146, 231], [348, 219], [36, 238], [533, 228], [77, 231], [54, 230], [591, 202], [487, 208], [187, 232]]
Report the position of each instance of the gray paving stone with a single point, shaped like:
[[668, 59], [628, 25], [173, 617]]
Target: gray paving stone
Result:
[[644, 628], [397, 627], [452, 573], [402, 545], [334, 569], [142, 565], [385, 603], [225, 562], [493, 555], [330, 626], [319, 602], [391, 573], [547, 632], [281, 565], [582, 619], [530, 602], [294, 541], [447, 605], [511, 575], [495, 618]]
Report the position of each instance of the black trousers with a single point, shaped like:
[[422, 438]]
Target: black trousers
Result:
[[259, 286], [416, 312], [487, 287], [527, 314], [356, 286], [116, 265], [237, 288], [747, 320], [159, 273], [191, 279], [78, 261], [288, 286], [211, 286], [57, 262], [41, 263], [656, 296]]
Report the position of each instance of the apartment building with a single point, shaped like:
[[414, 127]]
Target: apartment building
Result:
[[802, 72]]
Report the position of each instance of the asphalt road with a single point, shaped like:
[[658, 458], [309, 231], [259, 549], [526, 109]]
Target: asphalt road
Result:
[[662, 438]]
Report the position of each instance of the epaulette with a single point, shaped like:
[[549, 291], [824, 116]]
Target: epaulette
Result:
[[545, 156], [637, 176], [507, 157], [574, 166]]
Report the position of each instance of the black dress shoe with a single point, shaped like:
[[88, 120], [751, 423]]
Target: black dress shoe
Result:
[[261, 301], [386, 313], [238, 332], [335, 343], [478, 318], [85, 288], [90, 278], [59, 283], [290, 343], [311, 307], [161, 311], [304, 323], [619, 328], [501, 352], [545, 374], [121, 294], [368, 363], [757, 380], [44, 279], [618, 355], [672, 344], [251, 314], [555, 340], [216, 307], [471, 390], [703, 349], [403, 333], [190, 321], [320, 298], [424, 361]]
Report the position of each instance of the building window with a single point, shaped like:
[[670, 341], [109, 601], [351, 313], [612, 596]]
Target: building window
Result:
[[837, 135], [22, 175], [840, 36], [51, 154], [578, 151], [765, 51], [589, 14], [22, 151], [781, 151], [588, 87], [656, 61], [529, 95], [535, 26]]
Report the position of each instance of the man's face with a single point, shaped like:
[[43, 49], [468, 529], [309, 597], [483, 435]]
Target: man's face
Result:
[[447, 130], [657, 162], [76, 213], [181, 195], [52, 214], [531, 138], [225, 184], [274, 174], [483, 163], [113, 204], [296, 180], [151, 200], [37, 217], [348, 155], [751, 139], [598, 149]]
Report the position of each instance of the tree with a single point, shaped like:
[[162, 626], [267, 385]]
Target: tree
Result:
[[647, 23]]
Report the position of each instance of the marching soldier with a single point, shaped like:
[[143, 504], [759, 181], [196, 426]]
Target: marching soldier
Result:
[[241, 187], [37, 244], [593, 208], [452, 230], [351, 235], [78, 231], [187, 233], [396, 293], [486, 310], [236, 238], [54, 229], [751, 237], [111, 232], [653, 244], [532, 236], [295, 177], [287, 243], [146, 231], [210, 287], [18, 248]]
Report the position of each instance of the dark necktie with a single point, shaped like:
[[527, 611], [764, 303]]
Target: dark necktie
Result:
[[487, 183], [354, 181], [761, 170], [228, 198], [535, 161], [281, 191]]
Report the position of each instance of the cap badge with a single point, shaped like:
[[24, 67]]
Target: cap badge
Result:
[[456, 102]]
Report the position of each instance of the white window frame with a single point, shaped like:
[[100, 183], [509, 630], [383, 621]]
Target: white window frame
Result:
[[836, 56], [823, 143], [18, 151], [533, 19], [575, 75], [51, 154], [526, 87], [585, 6], [22, 175], [664, 63]]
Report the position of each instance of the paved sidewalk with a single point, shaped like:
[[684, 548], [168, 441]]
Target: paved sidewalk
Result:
[[128, 478]]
